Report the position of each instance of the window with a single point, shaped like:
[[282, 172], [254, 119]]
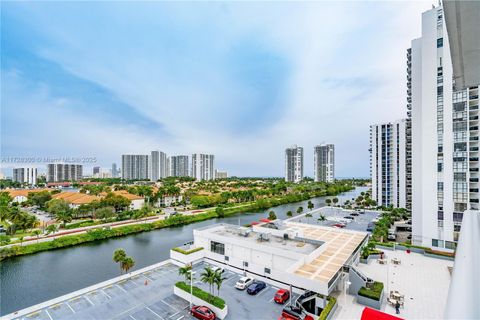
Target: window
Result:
[[450, 245], [227, 258], [245, 264], [439, 42], [267, 270], [217, 247], [434, 243]]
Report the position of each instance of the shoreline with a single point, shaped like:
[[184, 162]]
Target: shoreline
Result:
[[175, 221]]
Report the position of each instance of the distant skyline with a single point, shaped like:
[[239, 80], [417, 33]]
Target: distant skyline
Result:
[[242, 81]]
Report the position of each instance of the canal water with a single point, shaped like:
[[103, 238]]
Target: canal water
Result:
[[32, 279]]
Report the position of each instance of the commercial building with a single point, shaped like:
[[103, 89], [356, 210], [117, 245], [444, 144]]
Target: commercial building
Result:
[[158, 165], [59, 172], [178, 166], [388, 163], [294, 164], [203, 166], [221, 174], [324, 162], [445, 167], [25, 175], [135, 167], [96, 171]]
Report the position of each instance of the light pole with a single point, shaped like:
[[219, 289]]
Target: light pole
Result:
[[346, 284], [192, 273]]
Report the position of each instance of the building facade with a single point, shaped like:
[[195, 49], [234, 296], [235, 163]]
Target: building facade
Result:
[[203, 166], [25, 175], [179, 166], [388, 163], [96, 171], [221, 174], [135, 167], [158, 165], [114, 170], [59, 172], [294, 164], [324, 163], [444, 139]]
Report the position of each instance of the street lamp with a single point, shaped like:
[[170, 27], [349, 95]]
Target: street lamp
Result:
[[192, 274]]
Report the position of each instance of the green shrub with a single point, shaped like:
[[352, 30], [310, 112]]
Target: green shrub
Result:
[[187, 251], [326, 311], [80, 224], [374, 292], [199, 293]]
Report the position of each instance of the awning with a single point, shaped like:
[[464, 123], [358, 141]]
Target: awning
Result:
[[372, 314]]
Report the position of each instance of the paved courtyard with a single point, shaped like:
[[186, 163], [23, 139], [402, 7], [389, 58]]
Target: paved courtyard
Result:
[[132, 299], [423, 280]]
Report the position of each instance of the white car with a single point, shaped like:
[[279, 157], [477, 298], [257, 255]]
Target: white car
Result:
[[218, 269], [243, 283]]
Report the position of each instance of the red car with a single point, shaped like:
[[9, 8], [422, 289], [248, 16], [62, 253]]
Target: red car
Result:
[[282, 296], [203, 313]]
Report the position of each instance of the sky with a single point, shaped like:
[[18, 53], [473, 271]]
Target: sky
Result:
[[240, 80]]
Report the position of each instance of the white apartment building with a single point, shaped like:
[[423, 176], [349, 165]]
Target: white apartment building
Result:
[[135, 167], [158, 165], [59, 172], [324, 163], [221, 174], [294, 164], [444, 131], [178, 166], [203, 166], [388, 163], [25, 175]]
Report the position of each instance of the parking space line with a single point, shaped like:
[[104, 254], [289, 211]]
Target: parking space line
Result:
[[69, 307], [86, 298], [174, 314], [48, 314], [108, 296], [180, 318], [154, 312], [168, 304], [132, 317], [122, 289], [263, 291]]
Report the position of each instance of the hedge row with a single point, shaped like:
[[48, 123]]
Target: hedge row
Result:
[[326, 311], [199, 293], [187, 251], [100, 234], [374, 292]]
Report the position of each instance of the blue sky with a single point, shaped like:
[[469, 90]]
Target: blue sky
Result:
[[239, 80]]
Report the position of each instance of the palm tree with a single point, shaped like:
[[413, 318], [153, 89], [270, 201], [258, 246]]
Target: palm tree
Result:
[[127, 264], [36, 233], [218, 280], [335, 200], [64, 216], [328, 201], [272, 215], [208, 276], [186, 272], [52, 229], [300, 210], [322, 218], [289, 213], [310, 205], [119, 255], [21, 240]]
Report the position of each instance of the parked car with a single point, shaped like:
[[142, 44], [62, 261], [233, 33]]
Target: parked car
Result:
[[282, 296], [203, 313], [391, 235], [293, 313], [218, 269], [243, 283], [256, 287]]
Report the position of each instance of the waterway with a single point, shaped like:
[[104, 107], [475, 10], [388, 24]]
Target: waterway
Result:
[[31, 279]]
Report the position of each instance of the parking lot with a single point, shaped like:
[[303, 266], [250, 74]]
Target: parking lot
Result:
[[241, 305], [149, 295]]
